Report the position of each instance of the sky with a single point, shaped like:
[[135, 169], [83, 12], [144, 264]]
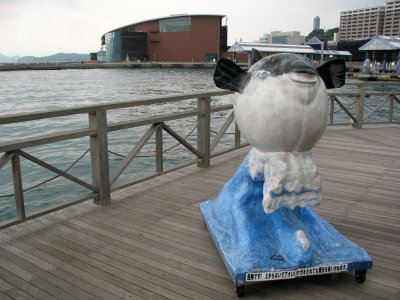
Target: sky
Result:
[[45, 27]]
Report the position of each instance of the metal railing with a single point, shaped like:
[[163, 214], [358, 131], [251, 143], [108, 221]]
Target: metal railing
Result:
[[103, 183]]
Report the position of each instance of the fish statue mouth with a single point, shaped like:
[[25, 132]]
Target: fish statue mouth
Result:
[[303, 77]]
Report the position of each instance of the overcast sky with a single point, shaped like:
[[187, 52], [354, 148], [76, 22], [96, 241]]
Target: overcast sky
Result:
[[45, 27]]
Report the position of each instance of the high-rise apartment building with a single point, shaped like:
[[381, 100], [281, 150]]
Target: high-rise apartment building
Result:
[[361, 23], [369, 22], [392, 16]]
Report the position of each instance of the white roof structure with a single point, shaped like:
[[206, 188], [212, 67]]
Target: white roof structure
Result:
[[382, 42], [282, 48]]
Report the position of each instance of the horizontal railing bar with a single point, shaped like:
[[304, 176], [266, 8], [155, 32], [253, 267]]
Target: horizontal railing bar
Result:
[[373, 83], [382, 122], [367, 93], [47, 210], [221, 108], [340, 124], [152, 120], [45, 114], [46, 139]]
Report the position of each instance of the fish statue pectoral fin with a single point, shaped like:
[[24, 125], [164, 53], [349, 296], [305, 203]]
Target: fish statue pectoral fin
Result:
[[255, 56], [229, 76], [333, 73]]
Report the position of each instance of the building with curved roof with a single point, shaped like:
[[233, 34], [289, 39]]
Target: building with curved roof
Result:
[[176, 38]]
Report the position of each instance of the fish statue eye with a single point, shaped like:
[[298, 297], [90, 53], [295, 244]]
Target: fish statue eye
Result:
[[272, 60]]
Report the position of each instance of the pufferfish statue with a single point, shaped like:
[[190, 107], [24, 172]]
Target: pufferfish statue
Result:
[[282, 110], [262, 222]]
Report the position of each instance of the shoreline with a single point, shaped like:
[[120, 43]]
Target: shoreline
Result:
[[124, 65], [160, 65]]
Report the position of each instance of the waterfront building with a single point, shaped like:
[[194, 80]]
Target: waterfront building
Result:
[[366, 23], [316, 23], [176, 38], [279, 37]]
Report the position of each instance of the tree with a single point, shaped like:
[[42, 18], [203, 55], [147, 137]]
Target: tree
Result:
[[322, 34]]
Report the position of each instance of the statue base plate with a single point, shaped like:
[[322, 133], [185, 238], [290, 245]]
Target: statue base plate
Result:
[[255, 263], [287, 243]]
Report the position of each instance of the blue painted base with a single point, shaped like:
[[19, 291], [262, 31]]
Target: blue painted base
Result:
[[256, 246]]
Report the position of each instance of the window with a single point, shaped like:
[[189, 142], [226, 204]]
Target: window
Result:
[[176, 24]]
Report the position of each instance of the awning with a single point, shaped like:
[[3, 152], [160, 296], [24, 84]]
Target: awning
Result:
[[382, 42], [282, 48]]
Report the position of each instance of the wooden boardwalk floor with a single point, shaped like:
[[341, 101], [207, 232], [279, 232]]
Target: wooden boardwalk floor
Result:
[[152, 243]]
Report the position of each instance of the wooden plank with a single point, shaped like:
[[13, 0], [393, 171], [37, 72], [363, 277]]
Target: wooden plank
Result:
[[21, 283]]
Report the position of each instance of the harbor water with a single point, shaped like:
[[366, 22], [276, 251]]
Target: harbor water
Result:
[[28, 91]]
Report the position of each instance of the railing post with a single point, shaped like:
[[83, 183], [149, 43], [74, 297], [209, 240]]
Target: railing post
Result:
[[18, 191], [99, 156], [203, 131], [331, 110], [391, 107], [360, 106], [237, 136], [159, 150]]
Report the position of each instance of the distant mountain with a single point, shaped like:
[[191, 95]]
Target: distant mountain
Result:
[[8, 59], [59, 57]]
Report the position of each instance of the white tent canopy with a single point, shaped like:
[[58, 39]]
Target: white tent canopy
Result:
[[382, 42]]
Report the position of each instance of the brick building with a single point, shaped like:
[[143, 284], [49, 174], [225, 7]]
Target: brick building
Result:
[[177, 38]]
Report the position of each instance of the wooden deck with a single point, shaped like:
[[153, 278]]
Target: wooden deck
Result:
[[152, 243]]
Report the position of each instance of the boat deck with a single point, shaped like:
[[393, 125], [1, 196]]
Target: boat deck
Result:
[[151, 243]]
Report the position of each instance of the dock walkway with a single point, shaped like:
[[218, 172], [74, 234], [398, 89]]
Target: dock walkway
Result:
[[151, 243]]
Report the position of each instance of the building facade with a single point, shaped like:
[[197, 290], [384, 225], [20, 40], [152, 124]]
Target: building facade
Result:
[[369, 22], [177, 38], [279, 37]]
